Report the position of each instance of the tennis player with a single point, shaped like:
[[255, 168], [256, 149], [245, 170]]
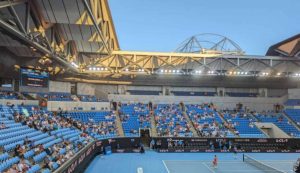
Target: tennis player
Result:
[[215, 162]]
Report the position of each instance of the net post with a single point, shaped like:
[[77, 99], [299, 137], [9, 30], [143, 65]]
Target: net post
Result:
[[243, 157]]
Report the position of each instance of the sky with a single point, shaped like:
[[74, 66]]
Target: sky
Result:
[[161, 25]]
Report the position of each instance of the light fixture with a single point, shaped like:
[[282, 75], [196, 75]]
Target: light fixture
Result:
[[161, 70], [74, 64]]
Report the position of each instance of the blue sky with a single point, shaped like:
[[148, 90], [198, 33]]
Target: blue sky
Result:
[[161, 25]]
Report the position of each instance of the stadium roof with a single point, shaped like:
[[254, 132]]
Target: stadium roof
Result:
[[288, 48], [80, 35], [62, 30]]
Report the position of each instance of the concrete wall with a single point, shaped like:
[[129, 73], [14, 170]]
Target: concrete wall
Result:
[[55, 105], [272, 130], [277, 92], [194, 89], [18, 102], [85, 89], [145, 88], [294, 93], [102, 91], [33, 89], [258, 104], [55, 86]]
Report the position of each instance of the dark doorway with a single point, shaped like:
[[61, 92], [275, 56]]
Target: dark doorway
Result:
[[145, 137]]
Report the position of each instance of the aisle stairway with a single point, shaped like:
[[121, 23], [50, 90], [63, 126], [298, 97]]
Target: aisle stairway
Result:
[[193, 130], [292, 121], [224, 121], [153, 125], [119, 125]]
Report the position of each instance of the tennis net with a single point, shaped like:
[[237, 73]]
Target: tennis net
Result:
[[262, 166]]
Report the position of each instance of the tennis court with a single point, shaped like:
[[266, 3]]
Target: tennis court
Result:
[[193, 166], [152, 162]]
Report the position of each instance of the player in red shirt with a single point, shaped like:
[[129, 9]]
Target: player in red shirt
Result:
[[215, 162]]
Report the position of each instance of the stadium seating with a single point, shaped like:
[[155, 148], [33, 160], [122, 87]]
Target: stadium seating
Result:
[[294, 114], [235, 94], [244, 125], [292, 102], [171, 121], [8, 95], [88, 98], [133, 117], [100, 125], [280, 121], [189, 93], [143, 92], [207, 121], [19, 131]]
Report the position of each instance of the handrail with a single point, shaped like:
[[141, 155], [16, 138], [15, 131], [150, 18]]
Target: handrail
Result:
[[71, 161]]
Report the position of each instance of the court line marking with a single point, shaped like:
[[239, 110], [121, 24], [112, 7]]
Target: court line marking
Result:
[[202, 161], [166, 166], [208, 167], [234, 161]]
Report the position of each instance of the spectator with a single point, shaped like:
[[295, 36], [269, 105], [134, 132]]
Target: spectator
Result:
[[2, 126]]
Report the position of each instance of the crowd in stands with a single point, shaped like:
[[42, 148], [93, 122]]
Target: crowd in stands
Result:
[[9, 95], [87, 98], [207, 121], [41, 141], [242, 124], [280, 121], [171, 122], [97, 124], [133, 117]]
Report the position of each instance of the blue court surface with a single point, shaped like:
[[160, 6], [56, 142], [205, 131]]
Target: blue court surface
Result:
[[153, 162]]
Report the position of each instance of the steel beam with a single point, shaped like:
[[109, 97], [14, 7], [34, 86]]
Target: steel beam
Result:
[[87, 6], [36, 45], [4, 4]]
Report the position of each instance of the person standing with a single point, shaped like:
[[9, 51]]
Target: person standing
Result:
[[215, 162]]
